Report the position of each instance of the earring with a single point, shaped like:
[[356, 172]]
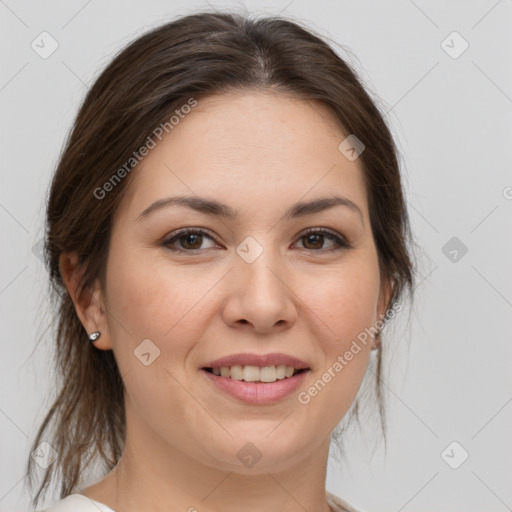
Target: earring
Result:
[[94, 336]]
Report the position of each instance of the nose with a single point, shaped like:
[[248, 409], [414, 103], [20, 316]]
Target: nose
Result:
[[260, 296]]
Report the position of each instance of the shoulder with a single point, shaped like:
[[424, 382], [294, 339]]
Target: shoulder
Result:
[[337, 504], [78, 503]]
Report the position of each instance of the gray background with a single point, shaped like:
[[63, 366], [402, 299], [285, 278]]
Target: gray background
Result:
[[452, 119]]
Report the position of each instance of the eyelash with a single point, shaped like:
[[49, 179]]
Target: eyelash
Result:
[[340, 243]]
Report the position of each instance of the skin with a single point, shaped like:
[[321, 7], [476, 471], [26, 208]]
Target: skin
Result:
[[259, 153]]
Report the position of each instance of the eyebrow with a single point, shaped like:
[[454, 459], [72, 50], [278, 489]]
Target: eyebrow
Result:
[[217, 209]]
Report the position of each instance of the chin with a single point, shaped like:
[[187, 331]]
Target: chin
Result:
[[258, 453]]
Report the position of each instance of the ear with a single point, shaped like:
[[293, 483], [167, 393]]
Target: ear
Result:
[[384, 298], [382, 307], [89, 304]]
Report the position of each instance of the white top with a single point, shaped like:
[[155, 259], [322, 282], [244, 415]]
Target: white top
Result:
[[78, 503], [81, 503]]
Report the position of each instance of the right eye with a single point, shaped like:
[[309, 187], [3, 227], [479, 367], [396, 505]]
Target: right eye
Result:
[[189, 240]]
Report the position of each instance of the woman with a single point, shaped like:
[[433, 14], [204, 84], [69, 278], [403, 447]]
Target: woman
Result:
[[226, 236]]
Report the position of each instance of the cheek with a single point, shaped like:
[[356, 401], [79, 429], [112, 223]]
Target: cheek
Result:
[[346, 307], [143, 291], [150, 299], [346, 300]]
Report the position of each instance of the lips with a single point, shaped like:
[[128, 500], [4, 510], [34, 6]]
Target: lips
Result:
[[256, 393], [257, 378], [273, 359]]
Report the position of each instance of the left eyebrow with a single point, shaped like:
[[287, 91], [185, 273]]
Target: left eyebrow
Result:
[[215, 208]]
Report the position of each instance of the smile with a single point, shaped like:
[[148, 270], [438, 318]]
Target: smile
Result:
[[251, 373]]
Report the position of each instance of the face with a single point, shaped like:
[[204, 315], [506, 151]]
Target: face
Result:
[[257, 281]]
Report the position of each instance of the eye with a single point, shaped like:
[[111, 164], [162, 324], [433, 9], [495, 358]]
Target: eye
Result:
[[192, 239], [314, 238], [188, 239]]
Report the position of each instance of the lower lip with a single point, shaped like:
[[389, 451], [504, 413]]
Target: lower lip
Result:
[[257, 392]]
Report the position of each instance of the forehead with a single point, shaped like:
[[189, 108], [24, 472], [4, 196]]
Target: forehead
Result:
[[251, 150]]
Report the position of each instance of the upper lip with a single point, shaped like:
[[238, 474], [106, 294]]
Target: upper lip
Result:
[[274, 359]]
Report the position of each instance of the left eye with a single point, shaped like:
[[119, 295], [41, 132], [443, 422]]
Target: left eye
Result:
[[317, 236], [191, 240]]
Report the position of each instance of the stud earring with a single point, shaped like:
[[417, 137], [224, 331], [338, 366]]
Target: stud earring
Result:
[[94, 336]]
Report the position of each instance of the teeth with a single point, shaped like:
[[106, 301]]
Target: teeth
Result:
[[268, 374], [237, 372], [255, 373], [251, 373]]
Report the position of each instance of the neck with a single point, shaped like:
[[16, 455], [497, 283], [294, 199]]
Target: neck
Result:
[[153, 475]]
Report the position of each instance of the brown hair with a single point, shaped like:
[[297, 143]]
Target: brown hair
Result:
[[194, 56]]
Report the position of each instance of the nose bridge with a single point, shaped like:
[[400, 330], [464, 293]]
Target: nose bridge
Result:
[[259, 294], [258, 265]]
